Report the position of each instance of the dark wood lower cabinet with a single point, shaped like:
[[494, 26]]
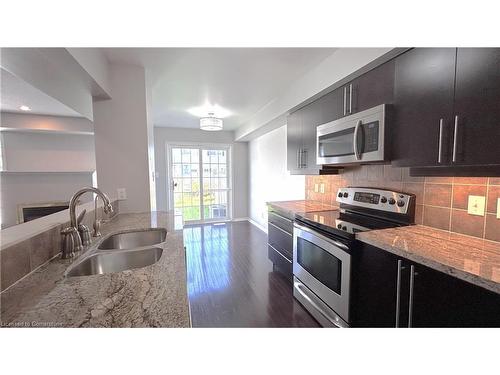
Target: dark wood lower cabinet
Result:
[[432, 299], [280, 243]]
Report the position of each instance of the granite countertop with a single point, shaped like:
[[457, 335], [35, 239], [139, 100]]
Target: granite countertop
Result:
[[152, 296], [471, 259], [290, 208]]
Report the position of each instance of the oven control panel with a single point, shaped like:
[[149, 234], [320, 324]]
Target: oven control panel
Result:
[[377, 199]]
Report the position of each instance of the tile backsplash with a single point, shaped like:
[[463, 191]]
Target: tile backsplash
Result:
[[441, 201]]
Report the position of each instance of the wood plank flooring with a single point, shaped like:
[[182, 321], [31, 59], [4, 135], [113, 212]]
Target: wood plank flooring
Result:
[[231, 282]]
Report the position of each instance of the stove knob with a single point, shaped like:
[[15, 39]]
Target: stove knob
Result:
[[344, 228], [340, 195], [383, 199], [339, 226], [391, 201], [401, 203], [346, 195]]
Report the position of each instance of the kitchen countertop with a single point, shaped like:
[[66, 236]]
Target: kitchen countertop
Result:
[[290, 208], [152, 296], [471, 259]]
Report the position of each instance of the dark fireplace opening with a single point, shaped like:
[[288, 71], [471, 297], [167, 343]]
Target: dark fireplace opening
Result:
[[32, 213]]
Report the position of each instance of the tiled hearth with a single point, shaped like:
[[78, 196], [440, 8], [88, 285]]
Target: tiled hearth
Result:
[[441, 201]]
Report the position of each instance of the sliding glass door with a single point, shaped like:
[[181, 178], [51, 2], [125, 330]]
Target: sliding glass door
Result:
[[199, 182]]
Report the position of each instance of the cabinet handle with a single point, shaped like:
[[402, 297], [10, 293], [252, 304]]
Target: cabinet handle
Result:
[[410, 305], [345, 100], [298, 158], [398, 292], [350, 99], [455, 132], [440, 140], [303, 162]]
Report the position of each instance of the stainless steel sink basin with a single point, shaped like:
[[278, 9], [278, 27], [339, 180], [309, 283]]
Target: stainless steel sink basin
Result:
[[100, 263], [132, 240]]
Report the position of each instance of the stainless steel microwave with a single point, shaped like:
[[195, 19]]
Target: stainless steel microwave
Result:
[[355, 139]]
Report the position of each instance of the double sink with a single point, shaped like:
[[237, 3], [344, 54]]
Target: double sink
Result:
[[119, 252]]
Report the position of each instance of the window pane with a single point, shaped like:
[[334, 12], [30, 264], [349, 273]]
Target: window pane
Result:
[[195, 155], [206, 183], [186, 170], [222, 156], [222, 170], [177, 170], [214, 170], [195, 170], [191, 213], [176, 155], [214, 156], [195, 185], [186, 155], [223, 183], [214, 183], [206, 156], [177, 199], [186, 184]]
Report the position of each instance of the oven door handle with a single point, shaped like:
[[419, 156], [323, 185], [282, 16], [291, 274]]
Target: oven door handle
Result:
[[299, 288], [332, 241], [357, 154]]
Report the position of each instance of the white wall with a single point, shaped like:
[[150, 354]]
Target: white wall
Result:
[[239, 162], [269, 178], [121, 138], [48, 152], [24, 188]]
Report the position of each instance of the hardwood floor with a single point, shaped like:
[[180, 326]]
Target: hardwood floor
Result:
[[231, 282]]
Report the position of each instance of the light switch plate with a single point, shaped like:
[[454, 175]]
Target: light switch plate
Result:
[[122, 193], [498, 208], [476, 205], [322, 188], [316, 188]]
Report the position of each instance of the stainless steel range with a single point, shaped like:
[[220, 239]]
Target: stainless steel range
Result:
[[324, 247]]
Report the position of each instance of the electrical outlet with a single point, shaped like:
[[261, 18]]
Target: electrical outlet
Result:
[[122, 193], [322, 188], [476, 205], [316, 189], [498, 208]]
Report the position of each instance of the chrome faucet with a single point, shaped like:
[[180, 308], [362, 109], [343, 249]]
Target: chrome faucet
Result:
[[72, 242]]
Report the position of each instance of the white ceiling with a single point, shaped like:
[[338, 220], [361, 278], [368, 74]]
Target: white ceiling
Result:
[[14, 92], [240, 80]]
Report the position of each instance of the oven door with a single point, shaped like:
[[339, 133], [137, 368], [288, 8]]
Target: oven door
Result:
[[353, 139], [323, 266]]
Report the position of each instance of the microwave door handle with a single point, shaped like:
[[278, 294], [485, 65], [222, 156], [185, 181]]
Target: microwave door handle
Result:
[[357, 154]]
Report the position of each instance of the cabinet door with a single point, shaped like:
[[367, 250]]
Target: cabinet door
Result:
[[423, 99], [477, 106], [374, 287], [441, 300], [311, 115], [332, 105], [372, 88], [293, 141]]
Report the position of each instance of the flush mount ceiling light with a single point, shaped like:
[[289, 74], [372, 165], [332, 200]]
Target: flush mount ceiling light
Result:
[[211, 123], [24, 108]]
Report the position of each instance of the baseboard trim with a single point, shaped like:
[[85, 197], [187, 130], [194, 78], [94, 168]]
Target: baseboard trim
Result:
[[253, 222]]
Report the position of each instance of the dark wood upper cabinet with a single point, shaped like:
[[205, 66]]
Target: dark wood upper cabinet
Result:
[[423, 106], [294, 141], [373, 88], [477, 106]]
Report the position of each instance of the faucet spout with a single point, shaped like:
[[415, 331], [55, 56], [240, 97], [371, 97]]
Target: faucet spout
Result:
[[108, 208]]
